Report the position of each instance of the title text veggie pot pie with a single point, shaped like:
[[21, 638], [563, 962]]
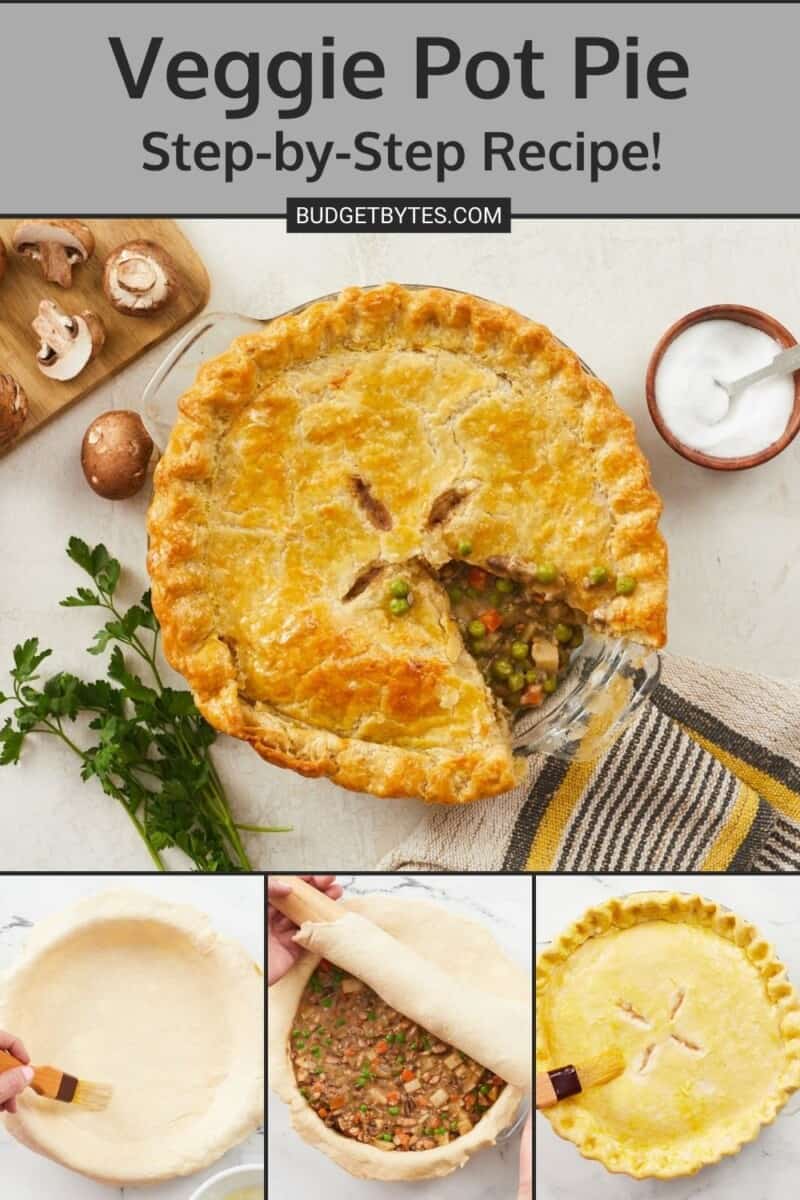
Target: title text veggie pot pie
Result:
[[379, 528], [703, 1013]]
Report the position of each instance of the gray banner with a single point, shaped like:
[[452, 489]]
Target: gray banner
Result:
[[73, 140]]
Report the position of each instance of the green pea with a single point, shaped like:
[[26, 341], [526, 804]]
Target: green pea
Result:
[[550, 684], [531, 676], [519, 649], [563, 633], [546, 573], [362, 1108], [504, 586], [455, 593], [480, 646], [398, 606], [476, 629], [577, 637], [501, 668], [516, 681], [399, 588], [464, 548], [597, 575], [393, 1110], [626, 584]]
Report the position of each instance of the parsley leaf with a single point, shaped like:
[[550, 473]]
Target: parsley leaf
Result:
[[150, 748]]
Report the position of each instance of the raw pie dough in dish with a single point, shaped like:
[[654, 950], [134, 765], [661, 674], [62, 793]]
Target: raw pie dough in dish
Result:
[[703, 1013], [448, 976], [322, 474], [124, 989]]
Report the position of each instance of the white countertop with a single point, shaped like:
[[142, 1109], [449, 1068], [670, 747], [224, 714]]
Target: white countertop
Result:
[[608, 288], [236, 908], [504, 904], [767, 1169]]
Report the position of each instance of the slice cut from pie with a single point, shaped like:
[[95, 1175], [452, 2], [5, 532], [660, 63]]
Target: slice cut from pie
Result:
[[349, 490], [703, 1013]]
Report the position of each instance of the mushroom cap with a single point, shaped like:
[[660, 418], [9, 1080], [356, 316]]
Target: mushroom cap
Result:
[[139, 278], [3, 258], [68, 343], [73, 235], [115, 453], [13, 409]]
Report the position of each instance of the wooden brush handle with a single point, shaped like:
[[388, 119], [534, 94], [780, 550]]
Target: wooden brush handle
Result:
[[305, 903], [8, 1062], [545, 1092]]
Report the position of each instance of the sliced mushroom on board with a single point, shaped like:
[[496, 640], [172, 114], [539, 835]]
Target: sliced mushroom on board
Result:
[[13, 409], [56, 245], [139, 278], [68, 343]]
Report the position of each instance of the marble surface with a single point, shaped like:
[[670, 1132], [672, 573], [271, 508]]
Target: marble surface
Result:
[[607, 287], [236, 908], [504, 903], [767, 1169]]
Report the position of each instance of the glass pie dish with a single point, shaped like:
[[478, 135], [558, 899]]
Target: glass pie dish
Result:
[[608, 679]]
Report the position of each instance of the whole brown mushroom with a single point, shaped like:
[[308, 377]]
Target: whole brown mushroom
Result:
[[13, 410], [115, 454]]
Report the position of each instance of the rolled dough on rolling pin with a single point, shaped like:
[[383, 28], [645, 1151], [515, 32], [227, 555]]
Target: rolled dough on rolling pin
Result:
[[493, 1031]]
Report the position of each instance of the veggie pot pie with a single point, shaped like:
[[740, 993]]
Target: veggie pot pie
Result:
[[378, 531], [382, 1092], [703, 1013]]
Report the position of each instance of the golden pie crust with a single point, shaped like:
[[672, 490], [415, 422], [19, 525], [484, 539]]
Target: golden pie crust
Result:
[[703, 1013], [315, 450]]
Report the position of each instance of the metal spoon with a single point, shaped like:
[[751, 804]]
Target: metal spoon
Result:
[[783, 364]]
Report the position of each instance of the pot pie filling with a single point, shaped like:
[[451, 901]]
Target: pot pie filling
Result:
[[376, 1076]]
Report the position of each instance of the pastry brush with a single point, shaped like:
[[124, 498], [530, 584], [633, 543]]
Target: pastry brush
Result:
[[552, 1086], [58, 1085]]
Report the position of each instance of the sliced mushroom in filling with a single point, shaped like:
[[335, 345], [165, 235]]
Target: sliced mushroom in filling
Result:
[[520, 631], [374, 1075]]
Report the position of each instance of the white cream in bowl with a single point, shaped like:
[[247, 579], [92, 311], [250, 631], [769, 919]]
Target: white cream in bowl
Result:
[[697, 410]]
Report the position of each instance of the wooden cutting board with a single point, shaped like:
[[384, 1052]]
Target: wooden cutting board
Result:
[[126, 337]]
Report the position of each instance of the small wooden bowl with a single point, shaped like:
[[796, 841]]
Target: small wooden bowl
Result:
[[747, 316]]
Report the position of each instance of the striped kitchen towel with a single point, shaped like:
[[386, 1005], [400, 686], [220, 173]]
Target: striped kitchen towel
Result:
[[707, 779]]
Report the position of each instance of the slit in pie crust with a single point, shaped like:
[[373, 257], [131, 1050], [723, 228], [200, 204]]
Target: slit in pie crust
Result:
[[381, 434]]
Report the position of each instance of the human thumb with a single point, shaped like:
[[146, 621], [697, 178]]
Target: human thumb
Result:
[[14, 1082]]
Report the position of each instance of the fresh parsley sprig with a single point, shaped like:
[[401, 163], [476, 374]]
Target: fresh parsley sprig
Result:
[[151, 749]]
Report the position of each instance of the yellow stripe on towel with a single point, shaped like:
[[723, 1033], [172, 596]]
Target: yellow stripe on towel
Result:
[[550, 834], [726, 845], [776, 793]]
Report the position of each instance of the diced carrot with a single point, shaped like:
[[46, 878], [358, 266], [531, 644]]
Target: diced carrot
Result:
[[407, 1075], [322, 1112], [392, 1096], [477, 578], [532, 696], [338, 1102], [421, 1102], [381, 1047], [469, 1100], [349, 1051], [401, 1139], [491, 619]]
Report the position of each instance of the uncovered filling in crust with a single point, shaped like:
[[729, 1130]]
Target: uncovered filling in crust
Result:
[[375, 1076], [520, 632]]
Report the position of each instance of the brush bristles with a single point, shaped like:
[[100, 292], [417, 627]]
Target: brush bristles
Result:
[[602, 1069], [92, 1096]]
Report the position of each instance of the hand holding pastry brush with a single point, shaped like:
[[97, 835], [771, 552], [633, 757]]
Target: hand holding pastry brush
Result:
[[552, 1086], [58, 1085]]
